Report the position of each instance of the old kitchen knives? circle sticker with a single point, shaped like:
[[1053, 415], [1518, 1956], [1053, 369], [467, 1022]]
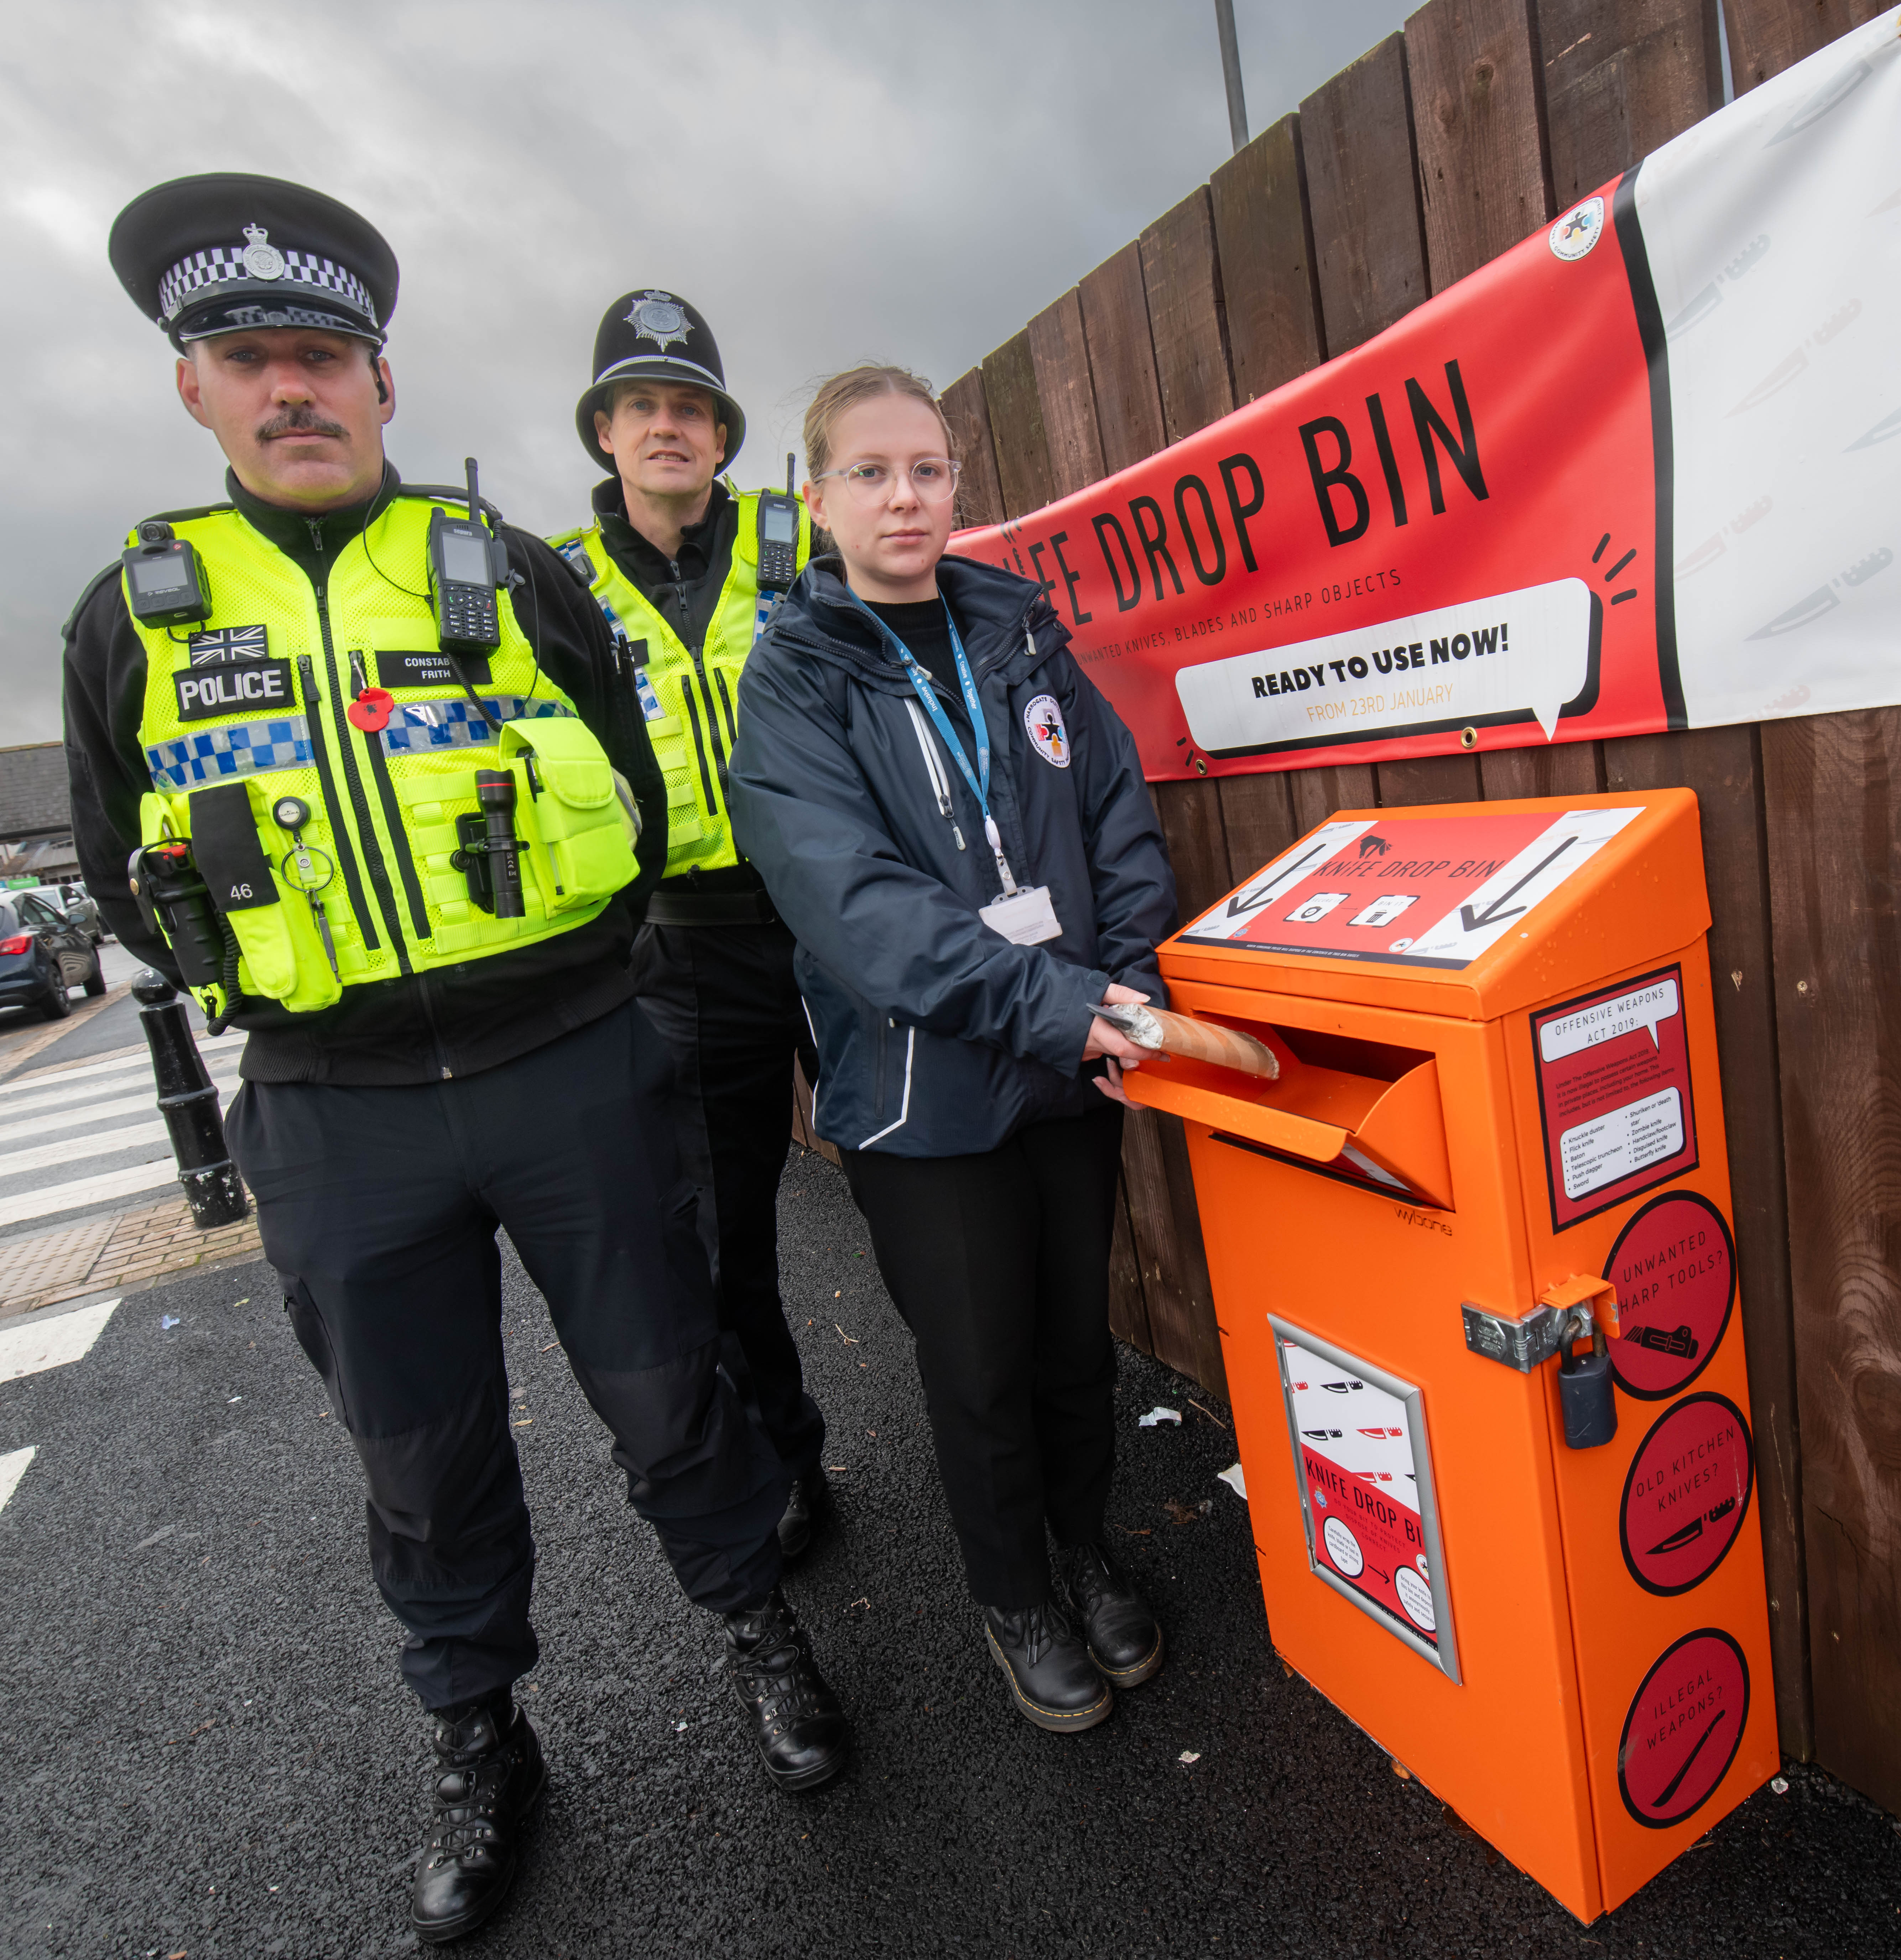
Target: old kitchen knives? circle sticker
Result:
[[1674, 1267], [1685, 1726], [1686, 1494]]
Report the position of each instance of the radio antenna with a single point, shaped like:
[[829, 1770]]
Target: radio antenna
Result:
[[475, 501], [791, 457]]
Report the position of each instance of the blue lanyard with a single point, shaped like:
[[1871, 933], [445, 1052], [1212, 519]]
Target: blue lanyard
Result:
[[978, 778]]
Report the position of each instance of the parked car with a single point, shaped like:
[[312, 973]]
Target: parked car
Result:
[[44, 952], [77, 904]]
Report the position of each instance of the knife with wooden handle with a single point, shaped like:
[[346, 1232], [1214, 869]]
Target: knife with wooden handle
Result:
[[1194, 1041]]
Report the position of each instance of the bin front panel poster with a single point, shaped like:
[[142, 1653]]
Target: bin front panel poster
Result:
[[1639, 472], [1409, 890], [1612, 1070], [1354, 1444]]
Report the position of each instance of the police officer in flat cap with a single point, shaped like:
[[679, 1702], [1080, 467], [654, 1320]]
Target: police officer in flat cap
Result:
[[686, 568], [381, 775]]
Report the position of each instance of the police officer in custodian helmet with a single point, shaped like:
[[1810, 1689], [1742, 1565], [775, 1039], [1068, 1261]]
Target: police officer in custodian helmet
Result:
[[389, 805], [686, 569]]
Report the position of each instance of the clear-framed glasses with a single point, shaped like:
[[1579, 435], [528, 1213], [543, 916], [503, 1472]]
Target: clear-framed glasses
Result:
[[933, 479]]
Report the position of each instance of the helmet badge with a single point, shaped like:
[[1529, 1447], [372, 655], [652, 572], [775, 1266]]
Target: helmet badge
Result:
[[659, 317], [262, 260]]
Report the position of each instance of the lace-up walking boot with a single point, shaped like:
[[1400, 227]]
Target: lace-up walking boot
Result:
[[804, 1502], [493, 1772], [800, 1731], [1125, 1641], [1056, 1684]]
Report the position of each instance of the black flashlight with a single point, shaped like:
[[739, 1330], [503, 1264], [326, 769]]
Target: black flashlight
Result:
[[496, 792]]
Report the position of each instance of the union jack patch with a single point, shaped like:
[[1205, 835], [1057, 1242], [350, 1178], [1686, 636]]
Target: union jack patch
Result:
[[225, 646]]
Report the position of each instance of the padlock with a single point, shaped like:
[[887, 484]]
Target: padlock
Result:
[[1585, 1388]]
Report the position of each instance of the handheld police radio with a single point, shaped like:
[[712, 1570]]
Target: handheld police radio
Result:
[[466, 565], [161, 570], [778, 537]]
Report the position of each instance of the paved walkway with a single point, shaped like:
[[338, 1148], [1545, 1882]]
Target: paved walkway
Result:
[[209, 1753]]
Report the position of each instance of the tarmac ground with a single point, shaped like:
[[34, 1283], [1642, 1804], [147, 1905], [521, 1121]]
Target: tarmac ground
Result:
[[208, 1750]]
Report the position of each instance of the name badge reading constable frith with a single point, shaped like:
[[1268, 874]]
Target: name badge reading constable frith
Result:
[[429, 669], [250, 686]]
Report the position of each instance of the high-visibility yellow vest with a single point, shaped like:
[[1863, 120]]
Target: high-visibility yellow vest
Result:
[[691, 699], [249, 708]]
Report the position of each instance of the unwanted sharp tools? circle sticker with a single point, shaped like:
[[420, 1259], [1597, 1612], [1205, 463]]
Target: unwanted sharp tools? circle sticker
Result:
[[1684, 1727], [1416, 1596], [1686, 1494], [1674, 1267], [1343, 1547]]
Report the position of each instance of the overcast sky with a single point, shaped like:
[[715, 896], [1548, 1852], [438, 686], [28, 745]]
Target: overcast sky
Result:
[[827, 182]]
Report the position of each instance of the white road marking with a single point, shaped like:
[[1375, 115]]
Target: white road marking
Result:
[[84, 1190], [75, 1150], [223, 1069], [89, 1112], [13, 1467], [51, 1344], [122, 1058]]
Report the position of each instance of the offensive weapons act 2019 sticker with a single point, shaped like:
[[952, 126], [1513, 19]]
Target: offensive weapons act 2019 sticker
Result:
[[1685, 1726], [1686, 1494], [1674, 1267]]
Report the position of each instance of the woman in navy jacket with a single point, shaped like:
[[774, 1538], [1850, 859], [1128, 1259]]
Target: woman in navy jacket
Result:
[[961, 899]]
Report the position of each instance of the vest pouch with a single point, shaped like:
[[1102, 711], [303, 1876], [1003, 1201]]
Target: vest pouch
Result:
[[279, 943], [581, 827]]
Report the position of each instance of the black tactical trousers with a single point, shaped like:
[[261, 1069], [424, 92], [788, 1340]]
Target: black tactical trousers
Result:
[[379, 1207], [724, 998], [999, 1263]]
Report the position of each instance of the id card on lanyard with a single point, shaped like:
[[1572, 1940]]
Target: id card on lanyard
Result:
[[1022, 913]]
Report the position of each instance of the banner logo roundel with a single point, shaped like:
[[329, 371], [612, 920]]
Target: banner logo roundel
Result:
[[1579, 229]]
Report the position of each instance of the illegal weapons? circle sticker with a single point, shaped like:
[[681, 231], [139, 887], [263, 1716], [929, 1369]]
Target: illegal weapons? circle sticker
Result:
[[1686, 1494], [1674, 1267], [1685, 1726]]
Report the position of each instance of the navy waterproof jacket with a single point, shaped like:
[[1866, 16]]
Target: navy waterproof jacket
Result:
[[937, 1036]]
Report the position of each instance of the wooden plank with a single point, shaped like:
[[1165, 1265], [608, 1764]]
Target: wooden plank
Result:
[[1369, 251], [1168, 1235], [1265, 247], [802, 1130], [1766, 36], [1720, 765], [1429, 779], [1483, 181], [1191, 814], [1559, 769], [979, 495], [1622, 76], [1834, 845], [1059, 353], [1121, 360], [1016, 426], [1128, 1310], [1183, 284], [1317, 793], [1257, 817]]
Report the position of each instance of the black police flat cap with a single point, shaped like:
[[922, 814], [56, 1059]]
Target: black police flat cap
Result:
[[221, 253], [654, 335]]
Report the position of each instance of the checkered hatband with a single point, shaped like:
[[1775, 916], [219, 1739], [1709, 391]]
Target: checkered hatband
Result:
[[203, 275]]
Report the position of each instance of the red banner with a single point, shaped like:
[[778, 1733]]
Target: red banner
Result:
[[1479, 530]]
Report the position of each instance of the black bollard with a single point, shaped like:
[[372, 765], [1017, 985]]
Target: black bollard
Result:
[[189, 1104]]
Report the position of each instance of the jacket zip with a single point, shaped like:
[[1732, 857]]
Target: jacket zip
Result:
[[726, 702], [320, 754], [393, 817], [699, 747], [359, 803]]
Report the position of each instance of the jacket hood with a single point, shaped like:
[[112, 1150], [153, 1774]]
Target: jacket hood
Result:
[[993, 609]]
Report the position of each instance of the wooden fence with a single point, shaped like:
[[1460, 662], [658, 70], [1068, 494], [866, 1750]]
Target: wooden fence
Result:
[[1440, 148]]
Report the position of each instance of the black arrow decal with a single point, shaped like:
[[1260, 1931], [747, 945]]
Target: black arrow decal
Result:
[[1250, 902], [1491, 914]]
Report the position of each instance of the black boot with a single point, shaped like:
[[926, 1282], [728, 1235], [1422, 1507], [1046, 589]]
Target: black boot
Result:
[[804, 1502], [801, 1732], [1124, 1639], [493, 1772], [1056, 1682]]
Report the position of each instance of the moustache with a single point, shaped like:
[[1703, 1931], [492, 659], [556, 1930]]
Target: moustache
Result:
[[299, 421]]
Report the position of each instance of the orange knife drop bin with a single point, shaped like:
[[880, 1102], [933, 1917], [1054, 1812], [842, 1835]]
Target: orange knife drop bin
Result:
[[1486, 1200]]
